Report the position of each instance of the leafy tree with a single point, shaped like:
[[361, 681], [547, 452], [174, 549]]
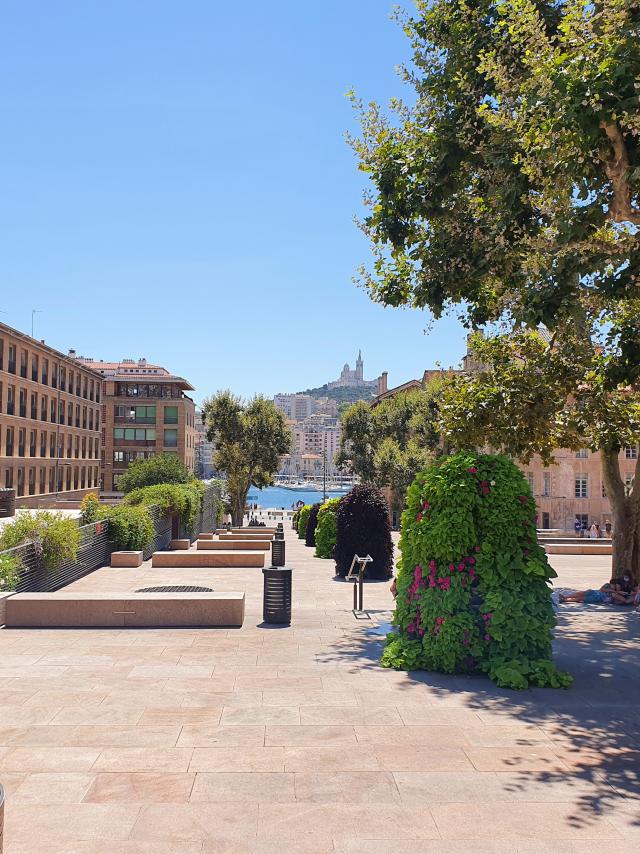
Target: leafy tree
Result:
[[388, 444], [250, 438], [162, 468], [90, 509], [511, 188]]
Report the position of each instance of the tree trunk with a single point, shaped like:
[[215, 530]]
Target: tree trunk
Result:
[[625, 510]]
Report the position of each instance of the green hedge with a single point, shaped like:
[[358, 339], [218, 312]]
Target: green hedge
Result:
[[10, 566], [130, 528], [55, 537], [472, 588], [326, 528], [183, 499], [312, 522], [303, 518]]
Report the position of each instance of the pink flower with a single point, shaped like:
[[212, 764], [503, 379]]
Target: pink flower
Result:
[[465, 641], [522, 499], [432, 564], [471, 560], [419, 517], [487, 637], [451, 567], [477, 548], [472, 469], [425, 505], [461, 567]]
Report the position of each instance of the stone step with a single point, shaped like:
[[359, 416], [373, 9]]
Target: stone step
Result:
[[234, 545], [578, 548], [204, 559], [98, 610]]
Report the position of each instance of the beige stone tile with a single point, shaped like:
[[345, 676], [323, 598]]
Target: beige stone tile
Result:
[[209, 716], [522, 820], [422, 736], [159, 759], [248, 758], [98, 736], [357, 787], [330, 759], [199, 735], [240, 787], [524, 759], [57, 823], [140, 787], [437, 716], [379, 821], [259, 715], [363, 715], [96, 716], [312, 735], [219, 683], [171, 671], [60, 699], [22, 716], [40, 759], [52, 788], [310, 698], [193, 822], [410, 757], [204, 699]]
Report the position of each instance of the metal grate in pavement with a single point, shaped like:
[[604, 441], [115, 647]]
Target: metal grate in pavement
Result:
[[176, 588]]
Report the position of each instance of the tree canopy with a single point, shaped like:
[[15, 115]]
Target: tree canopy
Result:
[[250, 437], [388, 444], [162, 468]]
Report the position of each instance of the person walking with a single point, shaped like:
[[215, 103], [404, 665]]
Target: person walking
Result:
[[593, 531], [607, 528]]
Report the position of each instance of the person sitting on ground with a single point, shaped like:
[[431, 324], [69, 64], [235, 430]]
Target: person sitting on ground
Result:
[[603, 596], [625, 592]]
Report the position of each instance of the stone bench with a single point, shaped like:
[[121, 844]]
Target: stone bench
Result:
[[208, 559], [252, 530], [180, 545], [246, 536], [205, 536], [232, 545], [577, 549], [124, 610], [128, 559]]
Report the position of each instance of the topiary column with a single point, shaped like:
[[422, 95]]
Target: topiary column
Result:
[[362, 527], [326, 528], [472, 589], [312, 521], [303, 518]]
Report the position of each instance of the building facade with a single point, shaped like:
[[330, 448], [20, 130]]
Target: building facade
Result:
[[295, 407], [355, 378], [145, 411], [205, 469], [50, 421]]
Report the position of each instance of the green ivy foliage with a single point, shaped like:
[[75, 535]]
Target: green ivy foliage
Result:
[[326, 528], [55, 537], [130, 528], [303, 518], [472, 586], [10, 566], [183, 499]]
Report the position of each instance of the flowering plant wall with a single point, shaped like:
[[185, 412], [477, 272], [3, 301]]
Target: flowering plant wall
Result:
[[472, 586]]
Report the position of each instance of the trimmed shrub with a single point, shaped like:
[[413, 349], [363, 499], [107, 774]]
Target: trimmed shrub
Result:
[[10, 566], [326, 528], [130, 528], [161, 468], [294, 520], [362, 527], [90, 509], [55, 537], [183, 499], [472, 588], [312, 521], [303, 518]]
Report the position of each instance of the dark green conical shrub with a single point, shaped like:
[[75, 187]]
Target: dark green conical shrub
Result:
[[362, 527], [312, 521]]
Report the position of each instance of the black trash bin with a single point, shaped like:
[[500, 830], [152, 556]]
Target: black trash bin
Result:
[[279, 535], [277, 552], [276, 607]]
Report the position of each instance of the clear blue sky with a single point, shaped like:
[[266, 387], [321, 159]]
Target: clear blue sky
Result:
[[174, 183]]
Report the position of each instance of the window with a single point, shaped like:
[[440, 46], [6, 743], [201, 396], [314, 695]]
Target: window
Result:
[[546, 522], [546, 483], [32, 481], [604, 490], [631, 452], [20, 481], [134, 434], [63, 379], [45, 372], [170, 439], [35, 369], [1, 355], [23, 403], [11, 366], [43, 408], [84, 391], [43, 444], [70, 381], [34, 406], [582, 522], [53, 411], [69, 446], [61, 412], [582, 454], [32, 443], [11, 400], [118, 456], [23, 364], [171, 415], [8, 478], [54, 375], [8, 442], [70, 415], [581, 486], [22, 435], [77, 415], [91, 388], [52, 445]]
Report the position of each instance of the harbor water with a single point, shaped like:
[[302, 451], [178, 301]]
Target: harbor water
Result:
[[280, 496]]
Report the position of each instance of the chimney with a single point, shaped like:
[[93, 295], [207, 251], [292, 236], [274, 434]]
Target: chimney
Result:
[[382, 382], [72, 353]]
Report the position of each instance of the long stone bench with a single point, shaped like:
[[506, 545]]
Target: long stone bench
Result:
[[251, 530], [171, 610], [577, 549], [208, 559], [221, 545], [246, 536]]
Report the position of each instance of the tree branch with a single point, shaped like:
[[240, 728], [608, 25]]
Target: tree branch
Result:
[[617, 169]]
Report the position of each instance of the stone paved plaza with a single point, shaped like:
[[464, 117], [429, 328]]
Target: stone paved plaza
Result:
[[271, 739]]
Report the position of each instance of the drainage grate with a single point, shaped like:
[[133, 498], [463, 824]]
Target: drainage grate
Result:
[[178, 588]]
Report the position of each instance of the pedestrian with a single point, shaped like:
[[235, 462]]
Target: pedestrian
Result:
[[598, 530], [578, 527], [607, 528], [593, 531]]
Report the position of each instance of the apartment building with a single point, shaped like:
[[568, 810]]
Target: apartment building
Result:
[[49, 421], [295, 407], [145, 411], [204, 450]]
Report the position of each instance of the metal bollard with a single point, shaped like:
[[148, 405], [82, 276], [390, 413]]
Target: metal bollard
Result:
[[276, 605], [278, 552]]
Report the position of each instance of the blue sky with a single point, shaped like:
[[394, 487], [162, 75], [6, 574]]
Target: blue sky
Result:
[[175, 184]]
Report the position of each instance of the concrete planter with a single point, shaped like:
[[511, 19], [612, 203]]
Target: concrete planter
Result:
[[3, 619], [126, 559]]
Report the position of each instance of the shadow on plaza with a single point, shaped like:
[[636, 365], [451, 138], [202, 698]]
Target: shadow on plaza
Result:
[[593, 727]]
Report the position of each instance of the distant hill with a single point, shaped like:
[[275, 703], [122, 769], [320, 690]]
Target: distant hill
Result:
[[342, 394]]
